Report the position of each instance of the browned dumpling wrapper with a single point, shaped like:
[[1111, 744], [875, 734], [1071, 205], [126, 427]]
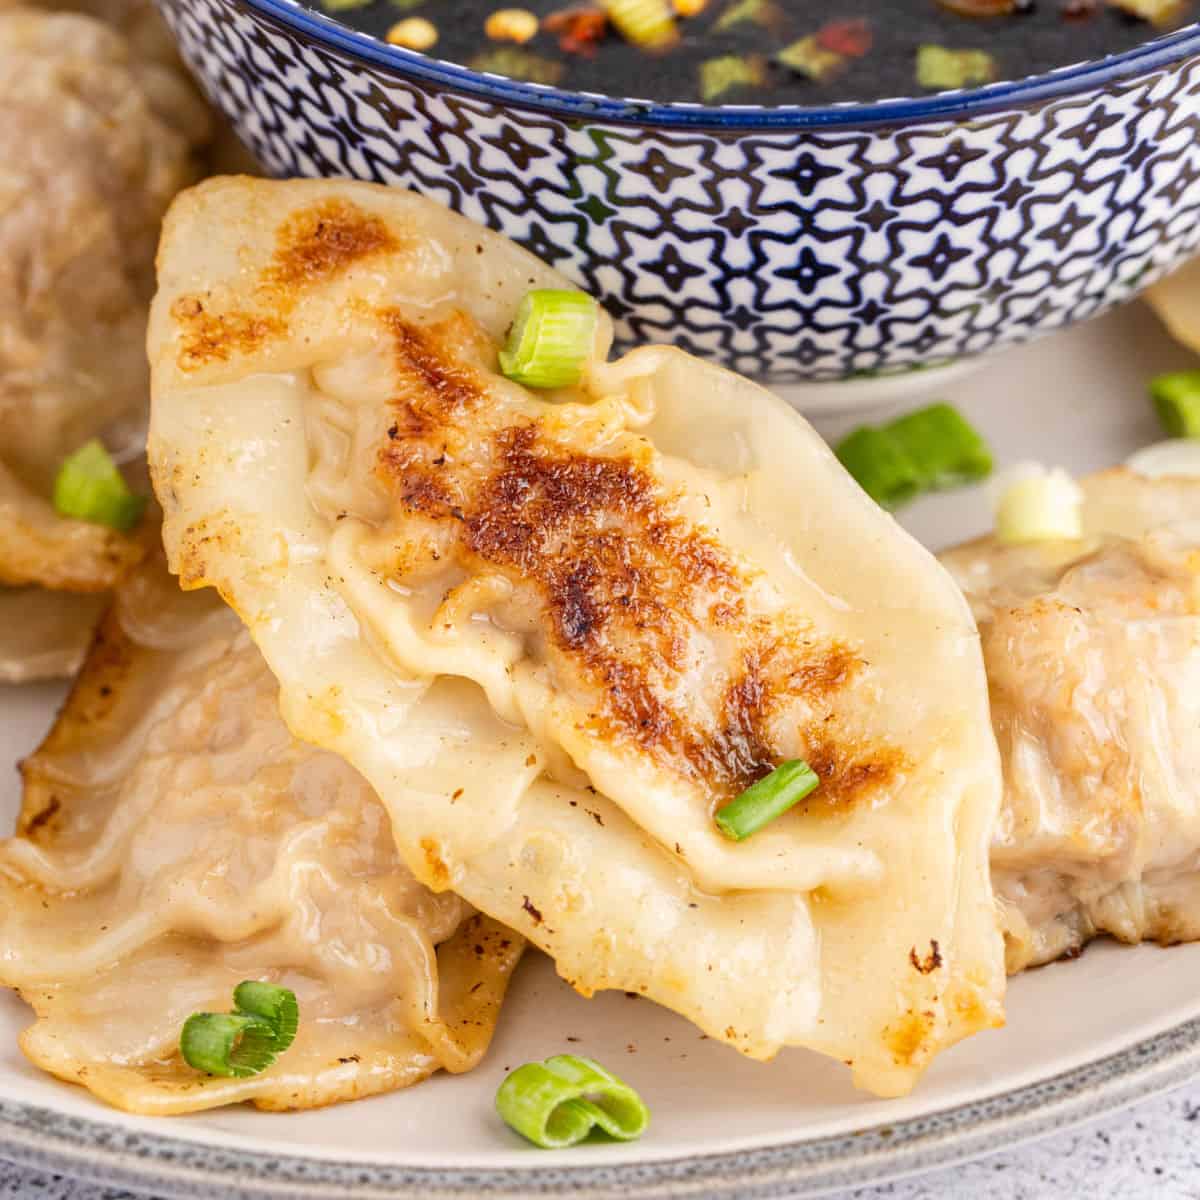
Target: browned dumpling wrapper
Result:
[[174, 839], [1093, 657]]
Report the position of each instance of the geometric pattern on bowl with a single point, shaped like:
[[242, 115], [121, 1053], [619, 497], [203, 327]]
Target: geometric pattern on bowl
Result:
[[783, 254]]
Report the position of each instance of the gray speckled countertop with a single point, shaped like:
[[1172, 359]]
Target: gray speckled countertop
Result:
[[1149, 1152]]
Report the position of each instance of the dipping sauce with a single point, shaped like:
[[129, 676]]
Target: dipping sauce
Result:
[[764, 51]]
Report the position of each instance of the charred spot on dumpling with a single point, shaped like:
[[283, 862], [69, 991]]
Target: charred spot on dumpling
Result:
[[208, 336], [434, 382], [316, 244], [628, 584], [849, 772]]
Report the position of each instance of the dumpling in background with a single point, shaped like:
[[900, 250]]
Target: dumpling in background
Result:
[[174, 839], [96, 140], [1093, 658], [557, 632], [1176, 300]]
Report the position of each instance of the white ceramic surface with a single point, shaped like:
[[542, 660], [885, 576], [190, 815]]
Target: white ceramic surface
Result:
[[1076, 400]]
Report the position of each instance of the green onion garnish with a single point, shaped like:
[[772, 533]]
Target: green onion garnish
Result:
[[244, 1042], [809, 57], [947, 451], [559, 1102], [90, 488], [942, 68], [880, 466], [1177, 400], [235, 1044], [767, 799], [931, 448], [275, 1005], [648, 23], [551, 338], [718, 75], [1039, 505]]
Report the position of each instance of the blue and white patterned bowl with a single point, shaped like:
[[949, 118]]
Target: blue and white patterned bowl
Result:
[[787, 243]]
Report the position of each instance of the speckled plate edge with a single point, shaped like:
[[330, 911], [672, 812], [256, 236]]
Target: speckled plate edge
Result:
[[104, 1152]]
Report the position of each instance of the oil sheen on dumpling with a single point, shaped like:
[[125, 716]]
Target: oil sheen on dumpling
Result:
[[556, 632], [175, 839], [1093, 657]]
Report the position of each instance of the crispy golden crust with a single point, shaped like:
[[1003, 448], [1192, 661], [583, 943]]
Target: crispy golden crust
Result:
[[313, 246], [625, 580]]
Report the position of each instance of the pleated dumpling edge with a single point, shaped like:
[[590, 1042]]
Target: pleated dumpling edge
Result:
[[557, 631]]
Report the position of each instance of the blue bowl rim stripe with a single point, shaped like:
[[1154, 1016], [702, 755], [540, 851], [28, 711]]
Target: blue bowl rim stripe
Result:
[[1095, 74]]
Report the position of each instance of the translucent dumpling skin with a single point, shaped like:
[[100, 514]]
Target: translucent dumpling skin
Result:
[[1093, 657], [558, 631], [175, 839]]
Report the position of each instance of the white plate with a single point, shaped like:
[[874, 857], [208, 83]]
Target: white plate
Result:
[[1082, 1037]]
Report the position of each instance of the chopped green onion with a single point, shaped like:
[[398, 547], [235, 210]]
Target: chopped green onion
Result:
[[718, 75], [931, 448], [808, 57], [767, 799], [231, 1044], [758, 12], [515, 62], [559, 1102], [244, 1042], [1177, 400], [947, 451], [648, 23], [880, 466], [89, 487], [551, 338], [275, 1005], [941, 68], [1039, 505]]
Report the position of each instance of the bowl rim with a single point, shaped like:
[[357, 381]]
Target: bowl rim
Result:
[[1163, 51]]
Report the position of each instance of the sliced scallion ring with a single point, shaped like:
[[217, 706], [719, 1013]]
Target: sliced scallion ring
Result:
[[551, 338], [230, 1044], [559, 1102], [246, 1041], [881, 467], [1038, 505], [929, 449], [1176, 398], [769, 798], [89, 487], [945, 449], [276, 1005]]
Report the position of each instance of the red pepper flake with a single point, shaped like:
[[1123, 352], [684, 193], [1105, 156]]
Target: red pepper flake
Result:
[[579, 29], [1078, 10], [851, 39]]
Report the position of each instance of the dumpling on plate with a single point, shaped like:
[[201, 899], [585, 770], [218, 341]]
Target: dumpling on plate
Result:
[[175, 839], [95, 142], [557, 631], [1093, 658], [1176, 300]]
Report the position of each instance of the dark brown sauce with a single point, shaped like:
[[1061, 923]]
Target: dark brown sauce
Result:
[[1034, 37]]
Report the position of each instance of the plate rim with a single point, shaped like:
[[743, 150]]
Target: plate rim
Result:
[[103, 1152]]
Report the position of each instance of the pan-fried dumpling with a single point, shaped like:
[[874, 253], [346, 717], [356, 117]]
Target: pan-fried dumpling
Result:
[[1093, 657], [45, 635], [98, 135], [1176, 300], [556, 632], [175, 839]]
